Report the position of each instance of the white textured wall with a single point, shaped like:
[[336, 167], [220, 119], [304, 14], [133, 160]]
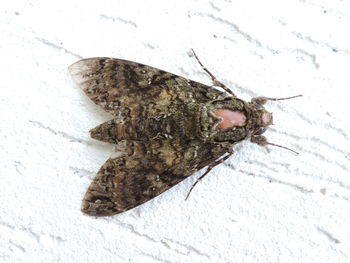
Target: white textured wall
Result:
[[262, 205]]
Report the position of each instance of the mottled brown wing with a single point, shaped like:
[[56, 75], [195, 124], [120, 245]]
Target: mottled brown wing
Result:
[[119, 85], [147, 170]]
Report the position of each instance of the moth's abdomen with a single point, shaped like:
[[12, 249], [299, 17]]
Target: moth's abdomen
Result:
[[111, 131], [145, 129]]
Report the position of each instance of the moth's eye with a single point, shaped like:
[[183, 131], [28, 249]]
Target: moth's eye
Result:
[[260, 131], [259, 106]]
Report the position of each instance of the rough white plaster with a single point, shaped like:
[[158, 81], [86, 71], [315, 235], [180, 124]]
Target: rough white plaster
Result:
[[262, 205]]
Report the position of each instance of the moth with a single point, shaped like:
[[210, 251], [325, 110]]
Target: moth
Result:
[[166, 127]]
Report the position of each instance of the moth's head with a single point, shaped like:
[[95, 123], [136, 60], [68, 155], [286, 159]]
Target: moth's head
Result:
[[260, 119]]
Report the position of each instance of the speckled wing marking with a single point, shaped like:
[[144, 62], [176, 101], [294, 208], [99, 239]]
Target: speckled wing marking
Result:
[[119, 85], [147, 170]]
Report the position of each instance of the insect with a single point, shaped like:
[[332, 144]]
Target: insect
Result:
[[166, 127]]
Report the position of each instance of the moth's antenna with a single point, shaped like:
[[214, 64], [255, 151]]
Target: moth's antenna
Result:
[[262, 141], [263, 100], [287, 98], [284, 147]]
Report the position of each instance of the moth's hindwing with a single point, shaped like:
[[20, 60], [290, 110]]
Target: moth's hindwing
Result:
[[157, 118]]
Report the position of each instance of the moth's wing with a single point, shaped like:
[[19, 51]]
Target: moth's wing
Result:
[[148, 169], [119, 85]]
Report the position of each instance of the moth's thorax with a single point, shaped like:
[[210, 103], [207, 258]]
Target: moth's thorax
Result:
[[229, 118], [223, 121]]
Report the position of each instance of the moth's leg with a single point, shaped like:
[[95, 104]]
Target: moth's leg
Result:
[[210, 167], [213, 78]]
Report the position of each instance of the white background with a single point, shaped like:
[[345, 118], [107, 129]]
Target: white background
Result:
[[262, 205]]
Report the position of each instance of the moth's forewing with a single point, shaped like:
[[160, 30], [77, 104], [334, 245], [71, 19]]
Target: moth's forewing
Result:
[[146, 170], [116, 83]]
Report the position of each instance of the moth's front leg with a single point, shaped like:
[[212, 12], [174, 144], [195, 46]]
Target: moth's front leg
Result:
[[209, 168], [216, 82]]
